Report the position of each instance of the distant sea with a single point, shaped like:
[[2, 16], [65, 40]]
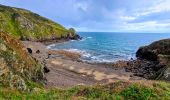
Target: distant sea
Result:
[[109, 46]]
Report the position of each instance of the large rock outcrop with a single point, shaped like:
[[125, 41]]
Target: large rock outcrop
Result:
[[17, 67], [153, 61], [154, 50]]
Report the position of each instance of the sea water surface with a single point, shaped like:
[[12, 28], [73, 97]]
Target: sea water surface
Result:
[[109, 46]]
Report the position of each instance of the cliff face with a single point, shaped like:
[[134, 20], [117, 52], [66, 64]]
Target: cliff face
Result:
[[159, 52], [153, 61], [154, 50], [17, 67], [26, 25]]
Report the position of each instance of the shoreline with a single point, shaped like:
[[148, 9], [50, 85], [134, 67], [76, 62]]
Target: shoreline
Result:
[[67, 71], [78, 51]]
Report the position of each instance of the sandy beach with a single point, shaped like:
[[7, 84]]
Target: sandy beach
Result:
[[66, 70]]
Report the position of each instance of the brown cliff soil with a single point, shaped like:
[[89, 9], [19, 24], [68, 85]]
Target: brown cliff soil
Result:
[[17, 67]]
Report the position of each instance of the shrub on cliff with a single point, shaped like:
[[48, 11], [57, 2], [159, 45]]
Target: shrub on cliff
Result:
[[17, 68]]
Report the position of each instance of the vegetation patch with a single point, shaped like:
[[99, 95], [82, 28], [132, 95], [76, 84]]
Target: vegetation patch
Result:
[[132, 91], [17, 67], [26, 25]]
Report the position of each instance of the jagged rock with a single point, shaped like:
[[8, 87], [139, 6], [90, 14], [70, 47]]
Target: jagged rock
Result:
[[152, 51], [157, 51], [145, 53], [75, 37], [153, 61], [144, 68]]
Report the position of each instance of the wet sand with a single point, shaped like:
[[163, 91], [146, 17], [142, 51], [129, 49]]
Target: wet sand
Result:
[[66, 71]]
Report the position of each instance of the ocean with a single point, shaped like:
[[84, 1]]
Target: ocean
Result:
[[109, 46]]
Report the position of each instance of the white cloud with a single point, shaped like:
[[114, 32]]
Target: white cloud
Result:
[[156, 7], [127, 18], [102, 15], [81, 5], [149, 26]]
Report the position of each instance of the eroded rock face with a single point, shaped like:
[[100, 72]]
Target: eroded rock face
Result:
[[17, 67], [146, 53], [144, 68], [153, 61], [158, 55], [152, 51]]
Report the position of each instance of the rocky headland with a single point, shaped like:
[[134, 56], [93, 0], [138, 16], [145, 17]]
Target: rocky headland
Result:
[[153, 61], [26, 25]]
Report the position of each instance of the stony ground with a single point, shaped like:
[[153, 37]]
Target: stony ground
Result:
[[66, 72]]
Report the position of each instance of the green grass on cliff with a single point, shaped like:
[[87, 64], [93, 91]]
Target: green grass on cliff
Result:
[[115, 91], [24, 24], [16, 66]]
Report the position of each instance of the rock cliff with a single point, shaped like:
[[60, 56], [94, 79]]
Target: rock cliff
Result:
[[153, 61]]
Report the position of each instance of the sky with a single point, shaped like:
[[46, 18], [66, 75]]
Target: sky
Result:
[[102, 15]]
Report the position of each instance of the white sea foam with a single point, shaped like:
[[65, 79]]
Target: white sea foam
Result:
[[85, 38], [82, 52], [72, 40], [89, 37], [90, 57]]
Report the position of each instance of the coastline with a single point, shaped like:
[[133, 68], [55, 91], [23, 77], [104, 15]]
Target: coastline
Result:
[[41, 59], [67, 71]]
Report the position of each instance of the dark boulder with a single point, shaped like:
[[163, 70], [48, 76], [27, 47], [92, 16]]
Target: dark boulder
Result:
[[29, 50], [38, 51], [76, 37], [146, 53], [46, 70], [152, 51]]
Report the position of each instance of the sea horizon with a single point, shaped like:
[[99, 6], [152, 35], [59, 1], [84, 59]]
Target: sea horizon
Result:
[[123, 32]]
